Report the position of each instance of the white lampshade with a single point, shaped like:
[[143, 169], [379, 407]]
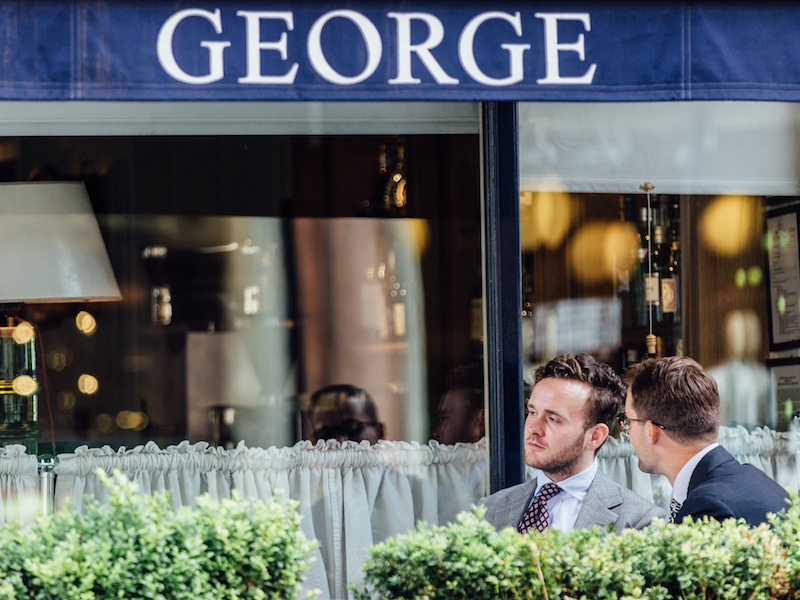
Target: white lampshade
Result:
[[51, 249]]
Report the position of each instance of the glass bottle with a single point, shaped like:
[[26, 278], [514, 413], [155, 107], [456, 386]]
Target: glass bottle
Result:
[[388, 197], [656, 264], [394, 193]]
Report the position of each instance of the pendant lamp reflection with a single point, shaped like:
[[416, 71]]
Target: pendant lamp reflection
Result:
[[52, 251], [650, 338], [19, 387]]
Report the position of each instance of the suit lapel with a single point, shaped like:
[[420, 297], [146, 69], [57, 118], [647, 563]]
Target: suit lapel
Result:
[[516, 503], [601, 497]]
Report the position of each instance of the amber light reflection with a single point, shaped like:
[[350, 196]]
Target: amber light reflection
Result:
[[729, 224], [599, 250], [545, 219]]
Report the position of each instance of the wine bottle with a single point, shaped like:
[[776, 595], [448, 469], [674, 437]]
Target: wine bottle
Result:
[[388, 197], [674, 268], [670, 286], [656, 265], [394, 195]]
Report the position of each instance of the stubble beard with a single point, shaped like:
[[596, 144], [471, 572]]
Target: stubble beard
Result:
[[562, 465]]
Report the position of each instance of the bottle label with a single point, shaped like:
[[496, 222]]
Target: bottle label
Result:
[[669, 295], [651, 291]]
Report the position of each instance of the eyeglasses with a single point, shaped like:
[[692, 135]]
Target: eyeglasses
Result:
[[625, 422], [347, 429]]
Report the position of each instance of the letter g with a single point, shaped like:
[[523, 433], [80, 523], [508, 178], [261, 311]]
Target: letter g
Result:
[[166, 57]]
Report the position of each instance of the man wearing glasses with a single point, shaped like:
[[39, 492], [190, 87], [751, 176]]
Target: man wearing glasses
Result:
[[571, 410], [344, 412], [672, 413]]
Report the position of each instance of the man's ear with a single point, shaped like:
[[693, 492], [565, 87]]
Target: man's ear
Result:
[[654, 432], [478, 424], [597, 435]]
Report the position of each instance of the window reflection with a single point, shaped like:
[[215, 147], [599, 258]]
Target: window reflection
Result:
[[257, 269], [687, 269]]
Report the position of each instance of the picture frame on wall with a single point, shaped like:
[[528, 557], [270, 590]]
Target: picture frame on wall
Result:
[[784, 375], [783, 276]]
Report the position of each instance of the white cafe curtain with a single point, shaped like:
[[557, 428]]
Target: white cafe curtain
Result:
[[19, 485], [351, 495]]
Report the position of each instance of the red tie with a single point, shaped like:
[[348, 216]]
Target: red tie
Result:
[[537, 516]]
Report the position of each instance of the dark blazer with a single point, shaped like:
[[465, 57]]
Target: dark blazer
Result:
[[606, 504], [721, 487]]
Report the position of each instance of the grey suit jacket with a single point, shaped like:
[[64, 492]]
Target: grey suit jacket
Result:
[[606, 504]]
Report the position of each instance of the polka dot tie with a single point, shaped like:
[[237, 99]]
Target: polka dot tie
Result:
[[537, 516], [674, 507]]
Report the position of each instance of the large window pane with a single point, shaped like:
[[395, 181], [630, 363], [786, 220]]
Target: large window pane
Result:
[[649, 219], [257, 269]]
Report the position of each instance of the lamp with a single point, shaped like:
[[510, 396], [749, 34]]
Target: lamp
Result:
[[650, 339], [52, 251]]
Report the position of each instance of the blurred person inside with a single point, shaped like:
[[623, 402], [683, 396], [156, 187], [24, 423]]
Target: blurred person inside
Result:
[[343, 412]]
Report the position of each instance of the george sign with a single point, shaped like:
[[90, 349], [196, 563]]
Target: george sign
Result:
[[305, 50]]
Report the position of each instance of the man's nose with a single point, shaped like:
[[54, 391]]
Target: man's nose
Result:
[[534, 424]]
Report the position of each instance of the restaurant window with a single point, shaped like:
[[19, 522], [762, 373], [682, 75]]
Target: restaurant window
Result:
[[263, 251], [648, 220]]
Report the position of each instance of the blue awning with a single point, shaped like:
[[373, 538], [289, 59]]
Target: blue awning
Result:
[[403, 50]]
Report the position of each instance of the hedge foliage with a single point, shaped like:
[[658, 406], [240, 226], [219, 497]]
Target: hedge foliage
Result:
[[695, 560], [138, 546]]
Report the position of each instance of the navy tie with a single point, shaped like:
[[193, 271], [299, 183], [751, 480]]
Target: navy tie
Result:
[[537, 516]]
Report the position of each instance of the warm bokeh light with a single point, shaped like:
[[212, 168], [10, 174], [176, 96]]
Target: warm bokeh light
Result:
[[85, 323], [104, 423], [88, 384], [729, 224], [66, 400], [132, 419], [545, 218], [23, 333], [600, 249], [59, 359], [24, 385]]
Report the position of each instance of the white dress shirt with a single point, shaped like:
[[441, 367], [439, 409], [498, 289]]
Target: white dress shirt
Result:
[[681, 488], [565, 506]]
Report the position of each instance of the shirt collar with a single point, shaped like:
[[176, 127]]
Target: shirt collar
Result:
[[576, 485], [681, 488]]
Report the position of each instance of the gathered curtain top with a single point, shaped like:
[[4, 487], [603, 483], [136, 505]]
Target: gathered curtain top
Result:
[[202, 456], [323, 455]]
